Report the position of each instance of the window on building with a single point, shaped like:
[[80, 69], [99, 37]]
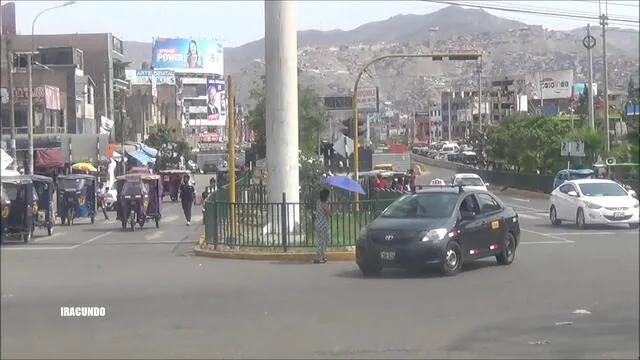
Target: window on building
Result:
[[89, 95]]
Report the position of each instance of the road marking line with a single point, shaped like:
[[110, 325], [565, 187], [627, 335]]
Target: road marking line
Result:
[[155, 235], [92, 240], [29, 248], [523, 200], [581, 233], [527, 216], [544, 242], [548, 235]]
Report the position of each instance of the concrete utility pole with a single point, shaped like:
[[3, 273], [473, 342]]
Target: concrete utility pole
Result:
[[281, 58], [590, 42], [607, 141], [479, 68], [12, 111], [449, 114]]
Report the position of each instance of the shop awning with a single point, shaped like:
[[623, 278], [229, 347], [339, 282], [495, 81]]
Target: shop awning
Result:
[[141, 157], [48, 158]]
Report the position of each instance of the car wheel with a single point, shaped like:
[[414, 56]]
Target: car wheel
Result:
[[580, 221], [452, 263], [369, 270], [508, 253], [553, 216]]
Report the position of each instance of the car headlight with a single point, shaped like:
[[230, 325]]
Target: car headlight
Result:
[[435, 235], [592, 205]]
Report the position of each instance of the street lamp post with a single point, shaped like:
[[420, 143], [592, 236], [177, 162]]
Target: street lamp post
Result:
[[30, 75], [449, 56]]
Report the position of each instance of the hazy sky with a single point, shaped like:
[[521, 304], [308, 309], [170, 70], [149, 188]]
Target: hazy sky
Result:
[[237, 22]]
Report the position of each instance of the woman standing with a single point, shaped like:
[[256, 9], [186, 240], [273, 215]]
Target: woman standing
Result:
[[323, 227], [194, 59]]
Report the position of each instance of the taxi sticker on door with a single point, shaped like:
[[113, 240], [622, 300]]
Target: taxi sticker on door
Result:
[[495, 225]]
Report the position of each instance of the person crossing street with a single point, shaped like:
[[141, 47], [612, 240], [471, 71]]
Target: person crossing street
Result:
[[187, 197]]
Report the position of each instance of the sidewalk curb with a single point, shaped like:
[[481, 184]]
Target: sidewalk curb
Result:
[[266, 256], [293, 257]]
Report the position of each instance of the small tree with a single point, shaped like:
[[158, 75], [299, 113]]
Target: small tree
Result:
[[311, 117], [169, 148]]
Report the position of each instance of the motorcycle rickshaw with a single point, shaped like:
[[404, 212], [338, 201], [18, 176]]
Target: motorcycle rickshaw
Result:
[[19, 208], [133, 201], [153, 184], [76, 197], [171, 180], [45, 189]]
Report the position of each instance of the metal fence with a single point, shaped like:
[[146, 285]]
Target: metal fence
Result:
[[252, 221]]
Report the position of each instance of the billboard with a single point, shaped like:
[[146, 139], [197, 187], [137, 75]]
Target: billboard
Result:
[[216, 101], [555, 85], [578, 89], [367, 99], [187, 55]]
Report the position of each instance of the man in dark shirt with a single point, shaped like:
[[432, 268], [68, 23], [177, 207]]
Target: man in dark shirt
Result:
[[187, 197]]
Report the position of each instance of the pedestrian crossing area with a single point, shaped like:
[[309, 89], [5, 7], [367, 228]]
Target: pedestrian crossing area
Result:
[[532, 215]]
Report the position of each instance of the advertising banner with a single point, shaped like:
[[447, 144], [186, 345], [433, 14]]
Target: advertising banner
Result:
[[46, 95], [188, 55], [367, 99], [151, 77], [216, 101], [555, 85]]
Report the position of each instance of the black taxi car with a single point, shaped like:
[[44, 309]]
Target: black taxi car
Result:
[[439, 225]]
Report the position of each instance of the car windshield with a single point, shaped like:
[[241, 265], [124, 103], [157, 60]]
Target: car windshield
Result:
[[447, 148], [602, 189], [469, 181], [133, 188], [72, 184], [423, 205]]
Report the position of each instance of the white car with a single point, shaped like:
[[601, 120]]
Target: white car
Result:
[[592, 201], [469, 181]]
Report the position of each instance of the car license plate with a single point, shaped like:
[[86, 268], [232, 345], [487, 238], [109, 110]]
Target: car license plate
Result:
[[618, 214], [387, 255], [69, 199]]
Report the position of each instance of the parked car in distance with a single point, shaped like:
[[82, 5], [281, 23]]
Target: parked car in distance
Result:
[[439, 225], [469, 182], [572, 174], [592, 201]]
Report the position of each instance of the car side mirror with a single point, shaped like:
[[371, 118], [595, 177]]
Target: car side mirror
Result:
[[633, 193], [467, 216], [572, 193], [486, 184]]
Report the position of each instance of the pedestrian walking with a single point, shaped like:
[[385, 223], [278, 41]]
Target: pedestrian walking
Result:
[[187, 195], [101, 202], [323, 227]]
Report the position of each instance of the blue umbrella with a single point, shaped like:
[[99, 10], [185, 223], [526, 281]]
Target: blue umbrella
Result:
[[344, 183]]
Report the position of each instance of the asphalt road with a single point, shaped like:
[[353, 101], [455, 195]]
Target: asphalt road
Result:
[[163, 302]]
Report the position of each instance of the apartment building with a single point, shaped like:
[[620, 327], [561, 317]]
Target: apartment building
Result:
[[103, 61]]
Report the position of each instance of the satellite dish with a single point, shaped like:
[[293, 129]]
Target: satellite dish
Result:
[[610, 161]]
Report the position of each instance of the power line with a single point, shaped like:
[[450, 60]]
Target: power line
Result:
[[534, 12], [627, 4]]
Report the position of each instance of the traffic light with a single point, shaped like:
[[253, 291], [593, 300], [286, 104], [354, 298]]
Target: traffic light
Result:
[[348, 127]]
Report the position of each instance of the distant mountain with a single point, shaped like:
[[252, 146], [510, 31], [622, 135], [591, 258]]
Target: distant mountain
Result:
[[330, 59], [627, 40]]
